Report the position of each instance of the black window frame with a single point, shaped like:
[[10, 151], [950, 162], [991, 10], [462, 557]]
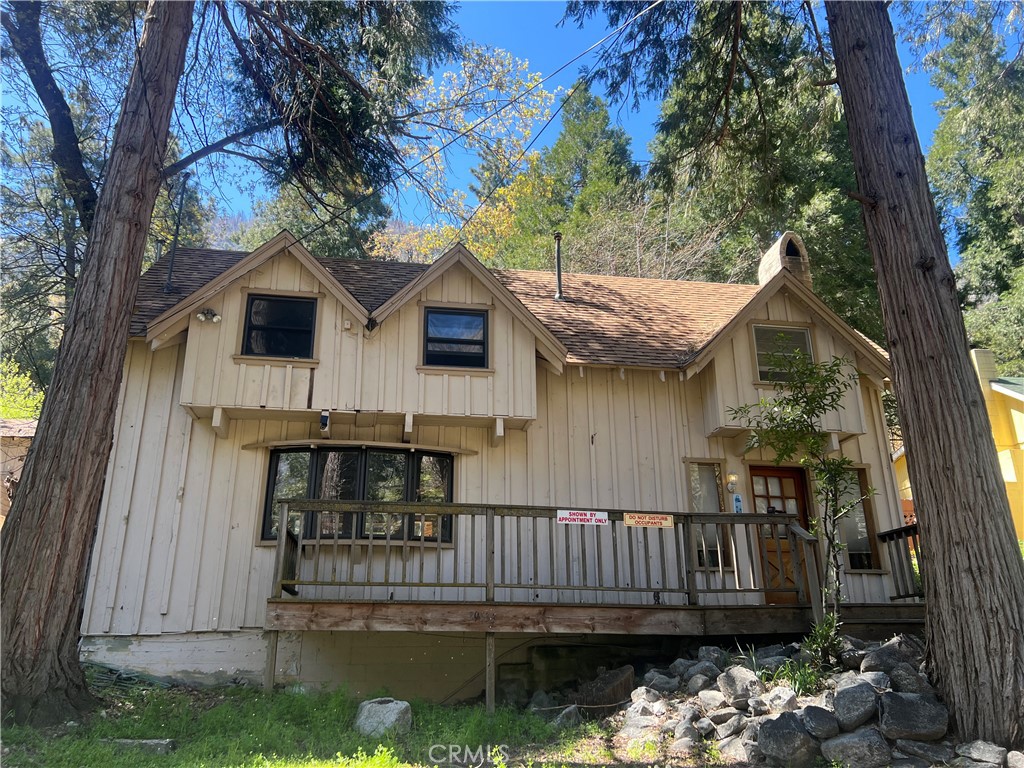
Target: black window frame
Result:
[[249, 327], [411, 490], [450, 359]]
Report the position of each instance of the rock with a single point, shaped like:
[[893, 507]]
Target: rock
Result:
[[568, 717], [512, 693], [711, 700], [852, 658], [705, 668], [879, 680], [664, 684], [864, 748], [1015, 759], [687, 713], [772, 664], [687, 731], [669, 726], [712, 653], [912, 716], [377, 717], [885, 657], [150, 746], [930, 751], [602, 695], [982, 752], [699, 683], [784, 739], [643, 693], [719, 716], [683, 747], [739, 684], [639, 727], [906, 679], [819, 722], [908, 762], [640, 709], [731, 727], [541, 700], [781, 699], [652, 673], [704, 726], [737, 749], [966, 762], [680, 667], [757, 706], [853, 642], [855, 704], [768, 652]]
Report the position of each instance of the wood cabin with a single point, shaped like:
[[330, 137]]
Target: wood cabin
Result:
[[491, 469]]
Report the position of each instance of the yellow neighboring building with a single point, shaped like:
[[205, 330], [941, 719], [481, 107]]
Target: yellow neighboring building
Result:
[[1004, 399]]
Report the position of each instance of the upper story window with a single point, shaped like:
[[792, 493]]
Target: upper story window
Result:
[[772, 342], [362, 474], [455, 337], [279, 326]]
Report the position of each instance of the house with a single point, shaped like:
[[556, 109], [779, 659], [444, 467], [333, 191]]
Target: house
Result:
[[15, 438], [496, 471], [1004, 401]]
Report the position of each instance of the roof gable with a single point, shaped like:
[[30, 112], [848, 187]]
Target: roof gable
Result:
[[551, 348], [871, 354], [169, 321]]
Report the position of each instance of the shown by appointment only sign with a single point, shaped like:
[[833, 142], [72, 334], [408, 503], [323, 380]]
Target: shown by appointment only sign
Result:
[[581, 517]]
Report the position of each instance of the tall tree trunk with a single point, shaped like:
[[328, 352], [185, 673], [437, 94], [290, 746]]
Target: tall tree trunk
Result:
[[974, 577], [47, 539]]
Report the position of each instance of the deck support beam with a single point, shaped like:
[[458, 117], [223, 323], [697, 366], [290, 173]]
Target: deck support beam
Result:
[[270, 668], [489, 672]]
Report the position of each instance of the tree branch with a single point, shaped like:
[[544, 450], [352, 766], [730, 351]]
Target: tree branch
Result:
[[21, 21], [218, 146]]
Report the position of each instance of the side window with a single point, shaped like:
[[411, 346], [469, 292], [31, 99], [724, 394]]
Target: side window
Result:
[[771, 341], [704, 480], [277, 326], [455, 338], [361, 474], [856, 527]]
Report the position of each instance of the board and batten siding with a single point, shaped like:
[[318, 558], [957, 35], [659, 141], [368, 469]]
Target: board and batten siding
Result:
[[353, 371], [177, 545]]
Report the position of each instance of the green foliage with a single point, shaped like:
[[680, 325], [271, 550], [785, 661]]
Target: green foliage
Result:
[[824, 643], [999, 325], [246, 728], [789, 424], [19, 396], [805, 679]]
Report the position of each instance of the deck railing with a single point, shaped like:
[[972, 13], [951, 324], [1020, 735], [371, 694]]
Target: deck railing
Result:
[[365, 551], [903, 546]]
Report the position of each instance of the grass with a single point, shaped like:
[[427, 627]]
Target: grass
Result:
[[243, 728]]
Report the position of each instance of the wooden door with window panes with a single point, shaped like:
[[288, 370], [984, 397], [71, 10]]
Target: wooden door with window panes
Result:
[[778, 490]]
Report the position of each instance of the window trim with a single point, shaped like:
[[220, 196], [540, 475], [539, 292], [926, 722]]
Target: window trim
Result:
[[248, 295], [780, 325], [869, 520], [445, 536], [725, 564], [450, 309]]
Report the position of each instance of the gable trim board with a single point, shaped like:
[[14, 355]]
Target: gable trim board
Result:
[[174, 320], [870, 355]]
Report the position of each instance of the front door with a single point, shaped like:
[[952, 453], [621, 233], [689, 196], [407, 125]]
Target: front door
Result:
[[778, 490]]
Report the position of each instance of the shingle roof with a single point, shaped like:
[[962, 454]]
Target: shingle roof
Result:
[[606, 320], [602, 320]]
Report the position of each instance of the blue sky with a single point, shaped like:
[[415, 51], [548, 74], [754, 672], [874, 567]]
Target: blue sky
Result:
[[529, 29]]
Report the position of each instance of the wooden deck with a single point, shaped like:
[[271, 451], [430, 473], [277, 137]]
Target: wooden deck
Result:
[[310, 615]]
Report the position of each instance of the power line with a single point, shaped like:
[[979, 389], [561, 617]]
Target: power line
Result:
[[408, 171]]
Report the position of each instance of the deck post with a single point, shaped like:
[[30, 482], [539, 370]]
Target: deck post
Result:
[[282, 540], [799, 572], [489, 554], [489, 671], [270, 667], [691, 573]]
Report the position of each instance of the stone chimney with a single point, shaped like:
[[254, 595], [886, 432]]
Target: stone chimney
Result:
[[787, 252]]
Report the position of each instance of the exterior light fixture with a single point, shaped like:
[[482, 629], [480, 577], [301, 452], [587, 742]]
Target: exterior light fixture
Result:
[[732, 482], [208, 314]]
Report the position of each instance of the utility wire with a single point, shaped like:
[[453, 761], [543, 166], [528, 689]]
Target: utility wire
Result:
[[408, 171]]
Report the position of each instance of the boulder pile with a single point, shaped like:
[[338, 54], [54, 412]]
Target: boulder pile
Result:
[[880, 710]]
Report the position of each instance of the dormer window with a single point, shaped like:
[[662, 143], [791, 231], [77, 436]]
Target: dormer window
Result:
[[772, 342], [279, 326], [455, 337]]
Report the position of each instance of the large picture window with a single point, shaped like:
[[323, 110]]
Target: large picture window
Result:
[[856, 527], [455, 338], [279, 326], [707, 498], [772, 342], [362, 474]]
